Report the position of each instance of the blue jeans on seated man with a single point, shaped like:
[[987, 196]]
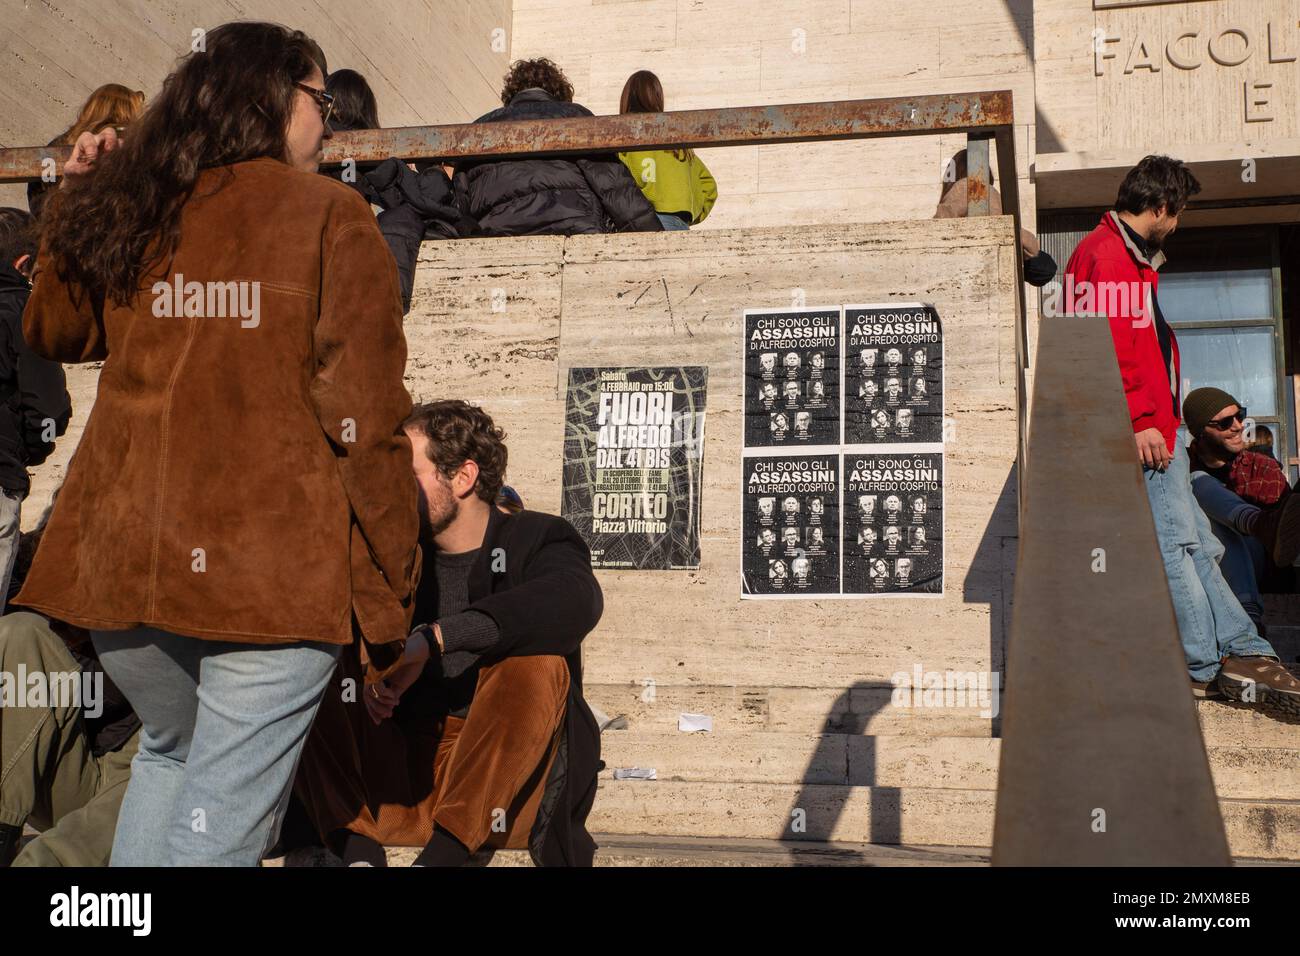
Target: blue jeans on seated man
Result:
[[1244, 561], [1211, 621], [224, 726]]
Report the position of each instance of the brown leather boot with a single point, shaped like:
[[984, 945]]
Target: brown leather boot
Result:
[[1263, 681], [1206, 689], [1278, 530]]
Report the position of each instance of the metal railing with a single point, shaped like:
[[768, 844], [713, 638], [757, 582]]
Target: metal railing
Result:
[[982, 116], [985, 117]]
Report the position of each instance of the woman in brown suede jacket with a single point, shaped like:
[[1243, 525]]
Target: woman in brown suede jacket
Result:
[[242, 502]]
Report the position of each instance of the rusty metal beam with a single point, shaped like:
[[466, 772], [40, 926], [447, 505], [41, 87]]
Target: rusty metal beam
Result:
[[736, 126], [978, 178]]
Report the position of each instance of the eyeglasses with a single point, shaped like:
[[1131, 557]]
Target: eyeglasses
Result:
[[324, 100], [1224, 423]]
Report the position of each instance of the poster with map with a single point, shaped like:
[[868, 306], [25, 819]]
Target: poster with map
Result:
[[633, 464]]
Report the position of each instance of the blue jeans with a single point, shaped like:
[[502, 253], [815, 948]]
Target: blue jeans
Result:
[[1211, 621], [224, 724], [11, 514], [1243, 560], [671, 222]]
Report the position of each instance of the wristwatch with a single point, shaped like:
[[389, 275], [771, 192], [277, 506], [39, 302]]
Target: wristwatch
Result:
[[431, 638]]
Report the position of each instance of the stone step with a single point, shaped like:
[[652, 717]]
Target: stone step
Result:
[[1225, 724], [646, 851], [652, 851], [1263, 829], [949, 763], [1257, 773], [632, 850], [864, 708], [622, 850], [868, 710], [916, 816]]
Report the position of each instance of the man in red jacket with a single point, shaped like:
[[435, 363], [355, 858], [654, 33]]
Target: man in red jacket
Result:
[[1113, 272]]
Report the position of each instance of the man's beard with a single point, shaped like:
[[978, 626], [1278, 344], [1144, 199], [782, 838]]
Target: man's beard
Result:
[[1216, 447], [436, 523], [1156, 243]]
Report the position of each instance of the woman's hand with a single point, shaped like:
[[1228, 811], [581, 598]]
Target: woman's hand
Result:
[[87, 151]]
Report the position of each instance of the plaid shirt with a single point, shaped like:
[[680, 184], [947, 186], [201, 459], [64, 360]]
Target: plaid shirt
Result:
[[1254, 477], [1258, 479]]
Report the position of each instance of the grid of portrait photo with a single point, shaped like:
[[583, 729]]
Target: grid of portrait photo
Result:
[[843, 499]]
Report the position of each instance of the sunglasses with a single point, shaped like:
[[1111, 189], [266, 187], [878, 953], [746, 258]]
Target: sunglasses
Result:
[[1224, 423], [324, 100]]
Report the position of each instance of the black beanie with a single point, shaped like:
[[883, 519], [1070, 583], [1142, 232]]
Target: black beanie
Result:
[[1202, 404]]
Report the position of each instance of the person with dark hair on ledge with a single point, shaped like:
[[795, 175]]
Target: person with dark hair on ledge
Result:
[[1262, 442], [1039, 267], [34, 404], [481, 738], [415, 205], [355, 106], [676, 181], [549, 195]]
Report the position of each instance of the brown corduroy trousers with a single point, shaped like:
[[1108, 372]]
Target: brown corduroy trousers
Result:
[[480, 778]]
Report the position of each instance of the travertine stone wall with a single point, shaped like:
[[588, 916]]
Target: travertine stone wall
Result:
[[716, 53], [429, 61], [1164, 75], [675, 298], [797, 689]]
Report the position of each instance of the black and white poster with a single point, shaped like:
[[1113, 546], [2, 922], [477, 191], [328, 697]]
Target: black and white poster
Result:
[[792, 377], [633, 464], [790, 526], [893, 523], [893, 374]]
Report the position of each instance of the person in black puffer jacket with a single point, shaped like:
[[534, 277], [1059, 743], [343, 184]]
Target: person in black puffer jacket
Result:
[[415, 205], [553, 196], [34, 403]]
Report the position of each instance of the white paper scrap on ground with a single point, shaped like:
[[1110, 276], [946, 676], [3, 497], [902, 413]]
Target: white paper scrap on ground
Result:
[[694, 723], [634, 773]]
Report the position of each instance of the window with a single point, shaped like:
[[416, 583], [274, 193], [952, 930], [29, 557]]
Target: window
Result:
[[1219, 291]]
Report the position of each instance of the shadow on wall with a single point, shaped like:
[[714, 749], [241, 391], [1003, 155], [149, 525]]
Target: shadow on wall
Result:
[[817, 808]]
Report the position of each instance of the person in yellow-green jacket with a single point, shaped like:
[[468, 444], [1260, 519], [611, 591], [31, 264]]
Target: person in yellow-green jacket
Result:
[[676, 181]]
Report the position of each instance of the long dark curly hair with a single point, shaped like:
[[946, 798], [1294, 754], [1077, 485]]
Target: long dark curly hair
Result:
[[228, 102]]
